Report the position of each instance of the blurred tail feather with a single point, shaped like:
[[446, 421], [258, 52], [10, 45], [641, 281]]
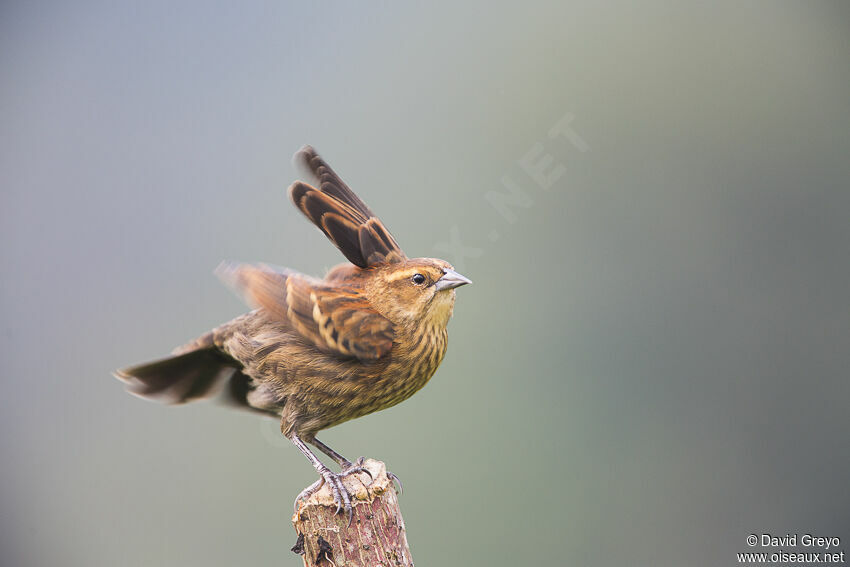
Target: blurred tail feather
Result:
[[178, 379]]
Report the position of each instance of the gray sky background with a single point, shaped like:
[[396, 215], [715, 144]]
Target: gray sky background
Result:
[[651, 364]]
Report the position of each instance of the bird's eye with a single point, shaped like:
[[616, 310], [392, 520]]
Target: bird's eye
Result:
[[418, 279]]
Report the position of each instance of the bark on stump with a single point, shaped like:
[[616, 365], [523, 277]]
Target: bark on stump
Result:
[[376, 536]]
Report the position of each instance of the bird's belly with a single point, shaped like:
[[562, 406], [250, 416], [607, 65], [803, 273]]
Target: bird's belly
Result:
[[396, 387], [408, 371], [315, 390], [331, 404]]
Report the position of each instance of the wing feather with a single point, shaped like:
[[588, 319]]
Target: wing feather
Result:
[[329, 182], [342, 216], [335, 319]]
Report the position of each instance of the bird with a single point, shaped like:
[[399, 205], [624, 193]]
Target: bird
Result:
[[313, 352]]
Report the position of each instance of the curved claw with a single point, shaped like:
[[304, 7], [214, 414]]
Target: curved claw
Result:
[[308, 492], [357, 467], [395, 480], [359, 470], [355, 470]]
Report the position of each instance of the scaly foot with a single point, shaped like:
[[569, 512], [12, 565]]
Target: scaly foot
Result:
[[348, 467], [341, 496], [356, 467]]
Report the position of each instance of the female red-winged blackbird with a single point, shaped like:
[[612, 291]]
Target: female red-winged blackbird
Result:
[[320, 352]]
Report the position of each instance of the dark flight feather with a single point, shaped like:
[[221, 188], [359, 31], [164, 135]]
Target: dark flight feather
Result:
[[342, 216], [329, 182]]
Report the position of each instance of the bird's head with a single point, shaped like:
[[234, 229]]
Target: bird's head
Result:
[[417, 291]]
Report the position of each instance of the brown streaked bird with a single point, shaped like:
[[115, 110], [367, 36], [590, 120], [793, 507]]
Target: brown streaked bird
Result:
[[316, 353]]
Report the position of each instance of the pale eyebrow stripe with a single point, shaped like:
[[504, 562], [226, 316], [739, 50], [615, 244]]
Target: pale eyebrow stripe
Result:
[[405, 274]]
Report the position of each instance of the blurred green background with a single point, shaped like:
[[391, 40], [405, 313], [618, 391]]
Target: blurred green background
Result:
[[652, 362]]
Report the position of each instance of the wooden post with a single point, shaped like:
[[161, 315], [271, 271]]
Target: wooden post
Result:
[[376, 536]]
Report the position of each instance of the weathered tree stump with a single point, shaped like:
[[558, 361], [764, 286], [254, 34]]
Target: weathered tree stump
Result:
[[376, 535]]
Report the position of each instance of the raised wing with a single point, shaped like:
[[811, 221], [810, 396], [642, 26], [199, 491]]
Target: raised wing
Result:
[[342, 216], [337, 320]]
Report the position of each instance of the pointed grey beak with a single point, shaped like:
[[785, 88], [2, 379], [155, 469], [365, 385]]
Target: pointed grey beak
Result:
[[450, 280]]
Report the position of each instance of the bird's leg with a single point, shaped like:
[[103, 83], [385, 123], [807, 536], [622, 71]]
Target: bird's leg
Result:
[[348, 467], [334, 480], [338, 459]]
